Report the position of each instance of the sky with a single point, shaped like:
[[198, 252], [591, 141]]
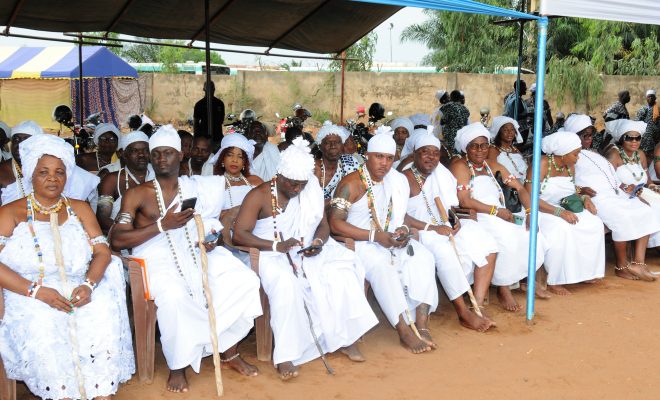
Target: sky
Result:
[[401, 52]]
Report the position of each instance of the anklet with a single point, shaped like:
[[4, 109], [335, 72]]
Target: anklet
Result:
[[424, 330], [232, 358], [616, 267]]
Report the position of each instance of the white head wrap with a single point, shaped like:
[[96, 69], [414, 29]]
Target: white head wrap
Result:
[[650, 92], [103, 128], [296, 162], [439, 94], [561, 143], [426, 140], [165, 136], [577, 122], [409, 146], [420, 119], [499, 122], [403, 122], [331, 129], [33, 148], [235, 140], [468, 133], [132, 137], [27, 128], [5, 128], [147, 120], [618, 127], [382, 141]]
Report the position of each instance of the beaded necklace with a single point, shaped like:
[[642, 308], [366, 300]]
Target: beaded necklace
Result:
[[553, 164], [35, 240], [340, 168], [162, 210], [275, 206], [46, 210], [490, 174], [418, 178], [634, 160], [613, 185], [228, 179], [368, 185], [18, 175], [508, 152]]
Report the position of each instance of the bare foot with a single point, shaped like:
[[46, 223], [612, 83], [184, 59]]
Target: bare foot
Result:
[[177, 381], [287, 370], [559, 290], [627, 272], [426, 336], [353, 353], [471, 320], [541, 293], [506, 299], [241, 366], [646, 274], [412, 342]]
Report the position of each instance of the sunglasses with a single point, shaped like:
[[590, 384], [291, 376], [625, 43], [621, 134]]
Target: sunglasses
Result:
[[477, 146], [629, 138]]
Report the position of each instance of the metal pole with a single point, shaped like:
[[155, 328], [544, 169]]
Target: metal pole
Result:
[[536, 165], [81, 103], [343, 72], [209, 102]]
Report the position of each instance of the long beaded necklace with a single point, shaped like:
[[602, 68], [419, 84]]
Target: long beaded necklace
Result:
[[275, 206], [368, 185], [553, 164], [613, 185], [508, 152], [228, 179], [35, 240], [490, 174], [18, 175], [340, 168], [191, 247], [634, 160], [418, 178]]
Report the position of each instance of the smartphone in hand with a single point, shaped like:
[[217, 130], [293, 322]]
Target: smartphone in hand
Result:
[[188, 203]]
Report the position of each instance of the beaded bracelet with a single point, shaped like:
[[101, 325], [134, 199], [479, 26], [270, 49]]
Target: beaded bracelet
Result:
[[527, 211], [31, 288], [90, 284], [558, 211], [460, 188], [100, 239]]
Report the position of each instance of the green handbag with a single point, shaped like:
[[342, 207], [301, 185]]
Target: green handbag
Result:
[[572, 203]]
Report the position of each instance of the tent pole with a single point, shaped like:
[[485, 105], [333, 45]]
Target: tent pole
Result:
[[536, 165], [81, 103], [207, 85], [343, 73]]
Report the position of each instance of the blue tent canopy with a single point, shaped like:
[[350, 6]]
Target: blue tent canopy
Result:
[[467, 6], [62, 63]]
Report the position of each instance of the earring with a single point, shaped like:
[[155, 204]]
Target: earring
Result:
[[222, 164]]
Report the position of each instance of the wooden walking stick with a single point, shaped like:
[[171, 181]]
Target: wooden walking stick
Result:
[[73, 337], [444, 217], [209, 302]]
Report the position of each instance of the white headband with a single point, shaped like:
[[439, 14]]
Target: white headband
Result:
[[165, 136], [132, 137], [382, 141]]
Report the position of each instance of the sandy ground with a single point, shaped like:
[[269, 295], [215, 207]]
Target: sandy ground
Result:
[[600, 343]]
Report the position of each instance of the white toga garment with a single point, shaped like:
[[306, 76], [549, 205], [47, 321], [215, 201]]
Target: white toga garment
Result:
[[265, 164]]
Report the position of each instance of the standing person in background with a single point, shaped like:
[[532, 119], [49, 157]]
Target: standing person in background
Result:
[[455, 116], [201, 117], [266, 154], [651, 115], [436, 116], [547, 112], [510, 106], [618, 109]]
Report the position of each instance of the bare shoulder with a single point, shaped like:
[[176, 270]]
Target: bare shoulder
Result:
[[493, 152], [6, 173], [254, 180], [10, 215], [80, 207], [350, 187], [108, 183]]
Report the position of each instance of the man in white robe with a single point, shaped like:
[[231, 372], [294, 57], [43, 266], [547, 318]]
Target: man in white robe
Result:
[[333, 165], [323, 287], [80, 184], [464, 252], [621, 211], [266, 154], [152, 223], [370, 207]]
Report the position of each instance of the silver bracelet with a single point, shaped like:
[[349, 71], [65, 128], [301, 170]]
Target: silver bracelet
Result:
[[100, 239], [322, 242], [160, 225], [407, 229], [274, 246], [426, 227], [34, 291]]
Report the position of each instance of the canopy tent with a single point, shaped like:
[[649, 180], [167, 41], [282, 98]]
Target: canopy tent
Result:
[[33, 80], [640, 11]]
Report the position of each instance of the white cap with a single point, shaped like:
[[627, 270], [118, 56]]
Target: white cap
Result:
[[165, 136]]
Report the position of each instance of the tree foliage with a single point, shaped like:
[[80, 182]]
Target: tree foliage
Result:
[[363, 50]]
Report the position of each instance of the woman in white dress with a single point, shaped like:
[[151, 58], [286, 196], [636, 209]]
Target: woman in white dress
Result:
[[479, 190], [65, 331], [233, 161], [504, 135], [575, 239]]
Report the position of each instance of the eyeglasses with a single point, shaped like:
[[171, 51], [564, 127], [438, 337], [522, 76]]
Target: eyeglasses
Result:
[[109, 138], [629, 138], [477, 146]]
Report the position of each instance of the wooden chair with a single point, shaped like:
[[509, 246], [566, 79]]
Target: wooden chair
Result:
[[144, 320], [7, 386]]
